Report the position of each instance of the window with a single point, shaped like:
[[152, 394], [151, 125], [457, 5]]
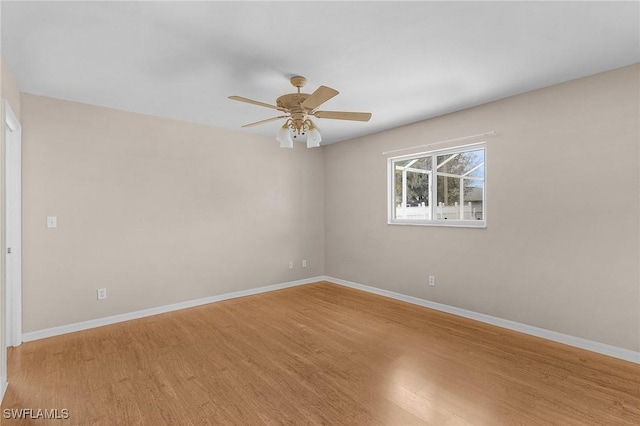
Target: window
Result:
[[445, 187]]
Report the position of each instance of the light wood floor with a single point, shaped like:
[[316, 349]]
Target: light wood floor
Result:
[[319, 353]]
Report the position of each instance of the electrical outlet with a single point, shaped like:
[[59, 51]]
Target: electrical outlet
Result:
[[304, 263], [432, 281], [102, 293], [291, 264]]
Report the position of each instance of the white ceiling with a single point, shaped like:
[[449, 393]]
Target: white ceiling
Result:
[[402, 61]]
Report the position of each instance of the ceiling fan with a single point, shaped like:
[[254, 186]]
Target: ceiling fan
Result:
[[297, 108]]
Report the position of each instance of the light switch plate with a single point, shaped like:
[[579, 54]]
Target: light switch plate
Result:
[[52, 222]]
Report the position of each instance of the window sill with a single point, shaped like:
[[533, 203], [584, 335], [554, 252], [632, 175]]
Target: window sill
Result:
[[478, 224]]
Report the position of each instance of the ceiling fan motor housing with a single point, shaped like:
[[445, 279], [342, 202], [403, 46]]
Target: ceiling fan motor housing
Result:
[[292, 102]]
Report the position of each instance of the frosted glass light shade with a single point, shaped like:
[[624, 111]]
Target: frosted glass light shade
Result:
[[284, 137], [313, 137]]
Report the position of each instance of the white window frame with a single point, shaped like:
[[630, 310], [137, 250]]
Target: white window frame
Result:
[[391, 220]]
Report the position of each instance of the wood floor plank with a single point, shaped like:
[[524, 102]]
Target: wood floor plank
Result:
[[317, 354]]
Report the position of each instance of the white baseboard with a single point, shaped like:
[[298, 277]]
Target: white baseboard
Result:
[[99, 322], [578, 342]]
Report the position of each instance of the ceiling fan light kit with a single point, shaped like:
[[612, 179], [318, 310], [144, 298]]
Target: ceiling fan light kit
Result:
[[284, 137], [313, 136], [298, 107]]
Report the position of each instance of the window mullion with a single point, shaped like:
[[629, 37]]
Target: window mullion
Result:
[[461, 214], [434, 187], [404, 189]]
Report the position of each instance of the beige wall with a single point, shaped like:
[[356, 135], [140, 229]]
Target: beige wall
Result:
[[157, 211], [561, 248]]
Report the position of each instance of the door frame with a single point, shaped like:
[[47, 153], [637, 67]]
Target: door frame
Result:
[[12, 227]]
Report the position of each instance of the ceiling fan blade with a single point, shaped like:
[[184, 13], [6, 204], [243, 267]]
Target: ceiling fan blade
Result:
[[341, 115], [251, 101], [320, 96], [257, 123]]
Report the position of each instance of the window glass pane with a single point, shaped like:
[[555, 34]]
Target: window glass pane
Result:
[[445, 162], [448, 198], [474, 200], [461, 170], [411, 188], [397, 192], [462, 163], [423, 163]]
